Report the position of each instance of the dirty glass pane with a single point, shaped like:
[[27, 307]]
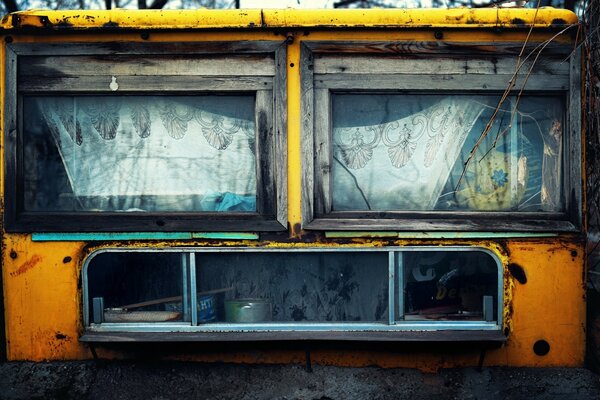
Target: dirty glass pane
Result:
[[450, 285], [408, 152], [138, 287], [295, 287], [139, 153]]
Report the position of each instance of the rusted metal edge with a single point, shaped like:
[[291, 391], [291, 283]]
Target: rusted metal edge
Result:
[[544, 18], [398, 336]]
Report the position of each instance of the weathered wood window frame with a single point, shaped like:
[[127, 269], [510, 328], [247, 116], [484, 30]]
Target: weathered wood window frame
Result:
[[343, 75], [267, 85]]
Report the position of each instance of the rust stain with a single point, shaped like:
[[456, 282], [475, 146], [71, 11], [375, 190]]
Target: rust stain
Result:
[[27, 265]]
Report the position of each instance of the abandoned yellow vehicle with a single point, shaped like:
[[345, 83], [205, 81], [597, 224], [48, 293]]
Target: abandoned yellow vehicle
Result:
[[332, 183]]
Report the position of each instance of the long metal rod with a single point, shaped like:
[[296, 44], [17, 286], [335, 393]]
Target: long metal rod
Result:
[[400, 292], [301, 249], [184, 287], [194, 297], [391, 287]]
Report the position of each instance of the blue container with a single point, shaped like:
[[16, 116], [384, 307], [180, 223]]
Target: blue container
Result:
[[206, 309]]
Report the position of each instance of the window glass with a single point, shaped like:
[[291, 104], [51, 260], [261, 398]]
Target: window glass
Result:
[[138, 287], [139, 153], [445, 285], [450, 152], [309, 287]]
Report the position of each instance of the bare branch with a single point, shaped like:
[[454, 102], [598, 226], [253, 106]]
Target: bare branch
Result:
[[158, 4]]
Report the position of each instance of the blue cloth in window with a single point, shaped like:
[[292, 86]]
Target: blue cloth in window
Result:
[[233, 202]]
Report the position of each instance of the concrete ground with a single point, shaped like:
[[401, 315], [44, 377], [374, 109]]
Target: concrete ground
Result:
[[180, 380]]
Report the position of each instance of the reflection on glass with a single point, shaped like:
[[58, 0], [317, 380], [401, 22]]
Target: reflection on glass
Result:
[[444, 285], [138, 287], [139, 153], [305, 287], [408, 152]]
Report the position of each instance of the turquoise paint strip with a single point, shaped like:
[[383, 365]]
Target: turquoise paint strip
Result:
[[116, 236], [225, 235], [437, 235], [104, 236]]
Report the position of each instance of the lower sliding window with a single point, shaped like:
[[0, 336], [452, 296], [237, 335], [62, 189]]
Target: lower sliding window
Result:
[[383, 289]]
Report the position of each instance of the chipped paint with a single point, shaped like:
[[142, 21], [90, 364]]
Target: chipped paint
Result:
[[35, 259], [290, 18]]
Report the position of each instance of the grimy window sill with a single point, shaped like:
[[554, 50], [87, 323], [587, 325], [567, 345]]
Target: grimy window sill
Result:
[[496, 336]]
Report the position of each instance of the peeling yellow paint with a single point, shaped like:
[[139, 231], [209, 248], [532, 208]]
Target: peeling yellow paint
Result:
[[290, 18]]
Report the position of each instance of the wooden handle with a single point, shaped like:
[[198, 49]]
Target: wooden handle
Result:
[[174, 298]]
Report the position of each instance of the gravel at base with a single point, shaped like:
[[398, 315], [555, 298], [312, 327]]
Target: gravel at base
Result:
[[180, 380]]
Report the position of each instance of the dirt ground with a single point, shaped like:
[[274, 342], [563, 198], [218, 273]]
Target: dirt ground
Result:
[[179, 380]]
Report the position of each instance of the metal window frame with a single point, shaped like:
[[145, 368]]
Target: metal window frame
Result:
[[394, 322], [271, 129], [317, 86]]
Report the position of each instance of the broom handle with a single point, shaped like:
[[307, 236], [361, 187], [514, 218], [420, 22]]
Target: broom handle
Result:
[[174, 298]]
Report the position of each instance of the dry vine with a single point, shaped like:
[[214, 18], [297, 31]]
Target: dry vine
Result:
[[521, 60], [591, 41]]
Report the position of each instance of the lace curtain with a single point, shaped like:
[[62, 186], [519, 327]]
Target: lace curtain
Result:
[[139, 153], [401, 152]]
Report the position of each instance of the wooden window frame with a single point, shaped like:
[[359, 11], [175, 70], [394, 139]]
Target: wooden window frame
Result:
[[317, 84], [268, 85]]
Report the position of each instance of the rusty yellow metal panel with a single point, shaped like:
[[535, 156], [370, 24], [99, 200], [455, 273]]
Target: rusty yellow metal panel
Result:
[[138, 19], [548, 303], [419, 18], [290, 18], [42, 299], [44, 316]]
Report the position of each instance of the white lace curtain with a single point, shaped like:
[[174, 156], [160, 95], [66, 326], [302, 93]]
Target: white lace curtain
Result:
[[399, 164], [157, 146], [399, 152]]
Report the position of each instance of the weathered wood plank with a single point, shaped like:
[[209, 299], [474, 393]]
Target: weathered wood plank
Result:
[[143, 222], [399, 336], [138, 48], [575, 177], [307, 113], [144, 65], [370, 64], [436, 47], [101, 82], [438, 82], [265, 169], [473, 223], [281, 143], [11, 140], [323, 152]]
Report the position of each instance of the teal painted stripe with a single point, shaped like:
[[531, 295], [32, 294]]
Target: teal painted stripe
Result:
[[115, 236], [225, 235], [437, 235]]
